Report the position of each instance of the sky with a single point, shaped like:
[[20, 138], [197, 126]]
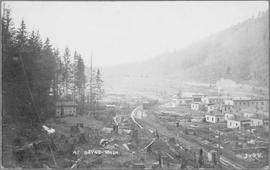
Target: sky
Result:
[[125, 32]]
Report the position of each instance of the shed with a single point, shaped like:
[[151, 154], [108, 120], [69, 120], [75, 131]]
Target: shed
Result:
[[65, 108]]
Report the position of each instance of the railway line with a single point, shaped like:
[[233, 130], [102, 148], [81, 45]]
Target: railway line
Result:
[[185, 141]]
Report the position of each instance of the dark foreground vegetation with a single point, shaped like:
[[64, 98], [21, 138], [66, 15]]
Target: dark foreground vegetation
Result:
[[34, 76]]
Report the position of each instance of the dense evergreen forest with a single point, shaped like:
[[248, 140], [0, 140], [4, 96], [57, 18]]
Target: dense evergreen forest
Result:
[[36, 75]]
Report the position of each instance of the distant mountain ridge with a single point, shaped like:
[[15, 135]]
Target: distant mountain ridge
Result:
[[239, 53]]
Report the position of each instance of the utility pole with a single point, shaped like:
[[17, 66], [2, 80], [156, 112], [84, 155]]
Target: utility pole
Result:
[[74, 88], [195, 161], [219, 165], [4, 13], [91, 83]]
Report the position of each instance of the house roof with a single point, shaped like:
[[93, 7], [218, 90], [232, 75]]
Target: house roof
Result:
[[66, 103], [249, 109], [216, 113], [260, 118], [186, 98], [229, 113], [199, 95], [228, 104], [242, 100], [210, 104], [215, 97], [196, 103], [240, 120]]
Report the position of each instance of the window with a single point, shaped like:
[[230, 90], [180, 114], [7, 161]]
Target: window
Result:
[[262, 103], [230, 123], [212, 119]]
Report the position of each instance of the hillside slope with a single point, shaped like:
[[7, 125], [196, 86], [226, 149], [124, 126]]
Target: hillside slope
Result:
[[239, 53]]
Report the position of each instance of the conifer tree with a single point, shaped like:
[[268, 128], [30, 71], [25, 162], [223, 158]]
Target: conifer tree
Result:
[[99, 91], [66, 70]]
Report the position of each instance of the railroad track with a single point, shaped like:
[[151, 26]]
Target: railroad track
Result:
[[133, 114], [223, 160]]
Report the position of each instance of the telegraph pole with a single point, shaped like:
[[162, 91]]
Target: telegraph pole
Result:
[[91, 83], [219, 165]]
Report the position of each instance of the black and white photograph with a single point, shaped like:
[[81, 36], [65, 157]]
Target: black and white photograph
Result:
[[135, 85]]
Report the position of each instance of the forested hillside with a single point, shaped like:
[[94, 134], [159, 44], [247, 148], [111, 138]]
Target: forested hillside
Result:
[[34, 74], [239, 53]]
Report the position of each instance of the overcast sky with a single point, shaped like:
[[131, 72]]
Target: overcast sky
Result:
[[123, 32]]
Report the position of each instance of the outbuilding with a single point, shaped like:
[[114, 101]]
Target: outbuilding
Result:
[[258, 121], [258, 104], [214, 118], [213, 99], [195, 106], [211, 107], [66, 108], [228, 116], [238, 123]]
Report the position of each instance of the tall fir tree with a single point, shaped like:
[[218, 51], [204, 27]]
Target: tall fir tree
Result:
[[99, 91], [66, 70]]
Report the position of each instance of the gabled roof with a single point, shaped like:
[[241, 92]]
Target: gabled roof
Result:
[[215, 113], [199, 95], [243, 100], [210, 104], [196, 103], [227, 105], [241, 120], [185, 98], [214, 97], [66, 103]]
